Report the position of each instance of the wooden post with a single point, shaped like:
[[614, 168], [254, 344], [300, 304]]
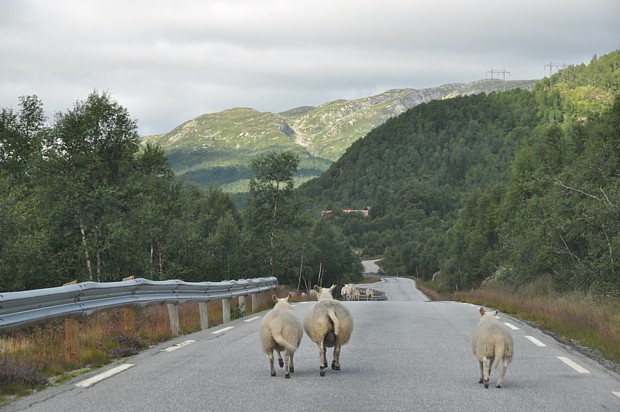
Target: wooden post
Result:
[[204, 315], [72, 336], [242, 306], [129, 316], [225, 310], [254, 298], [173, 315]]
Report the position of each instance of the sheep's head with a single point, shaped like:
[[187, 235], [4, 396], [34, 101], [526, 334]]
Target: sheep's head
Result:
[[324, 293], [282, 303]]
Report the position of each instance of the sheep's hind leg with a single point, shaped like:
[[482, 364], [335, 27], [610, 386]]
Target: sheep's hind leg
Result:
[[273, 371], [287, 373], [280, 361], [500, 381], [322, 359], [485, 369], [292, 365], [336, 360], [481, 373]]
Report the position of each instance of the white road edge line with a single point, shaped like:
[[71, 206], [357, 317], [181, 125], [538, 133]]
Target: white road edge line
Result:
[[251, 319], [511, 326], [87, 383], [617, 394], [573, 365], [178, 345], [215, 332], [535, 341]]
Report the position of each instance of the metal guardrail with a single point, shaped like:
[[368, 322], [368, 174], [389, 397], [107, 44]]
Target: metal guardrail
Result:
[[19, 309]]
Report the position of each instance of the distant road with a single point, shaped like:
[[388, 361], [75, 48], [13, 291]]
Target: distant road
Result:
[[405, 354], [370, 266]]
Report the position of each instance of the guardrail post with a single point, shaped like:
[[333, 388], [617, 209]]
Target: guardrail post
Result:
[[254, 297], [72, 336], [242, 306], [204, 315], [173, 315], [129, 316], [225, 310]]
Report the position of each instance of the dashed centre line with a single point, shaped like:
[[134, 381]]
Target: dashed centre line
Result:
[[511, 326], [617, 394], [252, 319], [573, 365], [87, 383], [178, 345], [535, 341], [215, 332]]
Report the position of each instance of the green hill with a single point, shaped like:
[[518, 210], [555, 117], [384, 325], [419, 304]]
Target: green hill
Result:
[[474, 184], [216, 148]]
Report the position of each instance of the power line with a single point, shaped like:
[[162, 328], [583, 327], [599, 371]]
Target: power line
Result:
[[551, 66], [503, 72]]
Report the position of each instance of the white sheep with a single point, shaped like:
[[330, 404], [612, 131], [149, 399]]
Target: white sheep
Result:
[[491, 342], [280, 330], [369, 294], [356, 294], [328, 323], [313, 294], [345, 292]]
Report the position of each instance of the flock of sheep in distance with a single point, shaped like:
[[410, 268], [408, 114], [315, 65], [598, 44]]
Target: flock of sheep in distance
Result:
[[330, 324]]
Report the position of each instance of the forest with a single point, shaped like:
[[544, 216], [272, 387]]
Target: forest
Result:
[[511, 186], [508, 187], [81, 199]]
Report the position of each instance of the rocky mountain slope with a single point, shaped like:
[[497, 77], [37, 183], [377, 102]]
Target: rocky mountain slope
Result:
[[216, 148]]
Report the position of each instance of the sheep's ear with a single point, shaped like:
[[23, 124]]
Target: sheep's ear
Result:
[[496, 312], [274, 297], [481, 311], [317, 288], [289, 298], [333, 287]]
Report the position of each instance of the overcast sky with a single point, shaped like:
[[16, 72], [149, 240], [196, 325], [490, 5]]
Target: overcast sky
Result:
[[170, 61]]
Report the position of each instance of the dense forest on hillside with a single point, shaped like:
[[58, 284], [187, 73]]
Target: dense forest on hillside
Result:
[[510, 186], [80, 200]]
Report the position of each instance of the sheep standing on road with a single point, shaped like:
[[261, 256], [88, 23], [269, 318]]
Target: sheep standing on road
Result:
[[491, 343], [328, 323], [280, 330], [369, 294], [345, 292]]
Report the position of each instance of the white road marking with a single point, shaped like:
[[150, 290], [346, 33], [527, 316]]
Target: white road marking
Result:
[[251, 319], [222, 330], [617, 394], [178, 345], [535, 341], [573, 365], [87, 383], [511, 326]]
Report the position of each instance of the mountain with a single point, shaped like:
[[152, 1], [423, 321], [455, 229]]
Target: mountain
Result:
[[216, 148]]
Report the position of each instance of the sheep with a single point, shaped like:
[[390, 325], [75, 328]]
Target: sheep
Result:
[[369, 294], [491, 342], [345, 292], [280, 330], [313, 294], [356, 294], [328, 323]]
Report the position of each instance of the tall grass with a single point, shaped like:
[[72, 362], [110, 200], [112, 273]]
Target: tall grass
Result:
[[590, 321]]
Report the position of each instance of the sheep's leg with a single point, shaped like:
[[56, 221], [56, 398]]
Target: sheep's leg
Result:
[[280, 362], [287, 357], [322, 359], [270, 355], [486, 364], [481, 375], [336, 360], [500, 381], [292, 365]]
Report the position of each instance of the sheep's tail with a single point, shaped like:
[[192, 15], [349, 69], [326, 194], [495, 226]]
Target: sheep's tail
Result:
[[500, 348], [332, 315], [283, 343]]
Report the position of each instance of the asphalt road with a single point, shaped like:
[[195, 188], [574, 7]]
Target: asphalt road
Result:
[[406, 354]]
